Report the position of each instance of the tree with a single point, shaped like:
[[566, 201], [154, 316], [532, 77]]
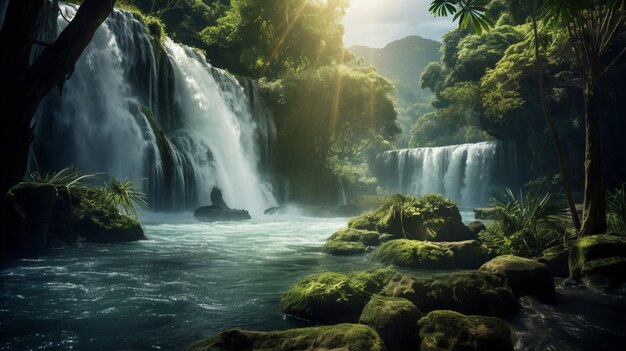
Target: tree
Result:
[[592, 27], [23, 84]]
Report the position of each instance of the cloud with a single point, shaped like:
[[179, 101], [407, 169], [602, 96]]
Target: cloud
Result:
[[376, 23]]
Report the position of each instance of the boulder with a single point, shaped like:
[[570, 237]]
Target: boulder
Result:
[[27, 211], [343, 248], [468, 292], [484, 213], [476, 227], [449, 330], [101, 226], [367, 237], [556, 258], [394, 319], [607, 248], [523, 275], [334, 297], [219, 211], [432, 255], [430, 217], [349, 337]]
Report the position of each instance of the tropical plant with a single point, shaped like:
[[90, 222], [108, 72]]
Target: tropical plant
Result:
[[616, 210], [123, 196], [525, 224], [467, 12]]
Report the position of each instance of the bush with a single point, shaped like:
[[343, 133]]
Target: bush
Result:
[[616, 210], [526, 224]]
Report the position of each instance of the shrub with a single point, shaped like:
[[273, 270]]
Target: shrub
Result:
[[616, 210]]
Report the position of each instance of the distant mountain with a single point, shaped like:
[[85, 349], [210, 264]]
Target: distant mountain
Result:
[[402, 61]]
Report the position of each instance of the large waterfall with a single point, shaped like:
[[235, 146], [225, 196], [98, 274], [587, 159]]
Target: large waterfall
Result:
[[157, 114], [466, 173]]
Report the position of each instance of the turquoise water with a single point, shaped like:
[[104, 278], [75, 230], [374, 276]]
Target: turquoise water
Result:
[[191, 280]]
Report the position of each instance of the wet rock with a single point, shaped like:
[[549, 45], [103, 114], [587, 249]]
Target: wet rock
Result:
[[349, 337], [395, 320], [432, 255], [556, 258], [449, 330], [476, 227], [608, 249], [343, 248], [219, 211], [523, 275], [469, 292], [101, 226]]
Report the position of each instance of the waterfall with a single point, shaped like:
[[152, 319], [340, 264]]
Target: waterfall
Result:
[[466, 173], [158, 114]]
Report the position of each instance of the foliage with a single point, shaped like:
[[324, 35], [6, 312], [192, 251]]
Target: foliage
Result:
[[616, 210], [525, 224], [469, 13], [113, 197]]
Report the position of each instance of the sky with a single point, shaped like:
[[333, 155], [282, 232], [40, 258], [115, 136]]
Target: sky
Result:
[[376, 23]]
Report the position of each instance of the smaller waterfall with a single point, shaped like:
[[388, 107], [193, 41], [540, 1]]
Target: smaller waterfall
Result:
[[465, 173]]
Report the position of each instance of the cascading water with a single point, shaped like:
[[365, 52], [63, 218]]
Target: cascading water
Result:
[[466, 173], [157, 114]]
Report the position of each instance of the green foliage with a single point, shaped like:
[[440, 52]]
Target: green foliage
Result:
[[112, 197], [526, 224], [616, 210], [469, 13]]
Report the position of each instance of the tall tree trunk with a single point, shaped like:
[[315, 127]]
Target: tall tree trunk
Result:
[[23, 86], [555, 135], [594, 216]]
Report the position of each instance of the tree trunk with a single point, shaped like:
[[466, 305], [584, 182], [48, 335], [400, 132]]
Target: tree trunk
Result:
[[24, 85], [594, 216]]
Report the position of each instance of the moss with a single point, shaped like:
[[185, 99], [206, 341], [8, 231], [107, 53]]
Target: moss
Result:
[[430, 217], [367, 237], [349, 337], [334, 297], [342, 248], [523, 275], [449, 330], [394, 319], [469, 292], [415, 254], [594, 247]]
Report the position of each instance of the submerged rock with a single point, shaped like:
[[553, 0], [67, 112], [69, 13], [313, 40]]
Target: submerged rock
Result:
[[469, 292], [334, 297], [100, 226], [432, 255], [523, 275], [449, 330], [609, 250], [350, 241], [349, 337], [219, 211], [430, 217], [395, 320]]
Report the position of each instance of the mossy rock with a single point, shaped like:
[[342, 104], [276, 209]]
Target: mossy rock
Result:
[[556, 258], [430, 217], [415, 254], [367, 237], [597, 247], [394, 319], [334, 297], [343, 248], [348, 337], [449, 330], [469, 292], [101, 226], [612, 268], [432, 255], [523, 275]]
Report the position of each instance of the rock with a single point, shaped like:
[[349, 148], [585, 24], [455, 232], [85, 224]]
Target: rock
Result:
[[468, 292], [484, 213], [367, 237], [415, 254], [214, 214], [275, 210], [449, 330], [523, 275], [383, 238], [394, 319], [217, 199], [349, 337], [343, 248], [430, 217], [476, 227], [101, 226], [28, 208], [432, 255], [334, 297], [556, 258], [608, 248]]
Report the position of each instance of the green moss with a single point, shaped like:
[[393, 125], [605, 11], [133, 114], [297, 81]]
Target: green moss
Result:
[[341, 248], [613, 268], [334, 297], [415, 254], [470, 292], [594, 247], [523, 275], [449, 330], [394, 319], [349, 337], [367, 237]]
